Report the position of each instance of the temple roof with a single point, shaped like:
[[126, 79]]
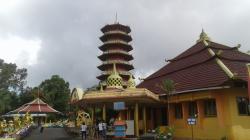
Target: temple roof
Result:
[[35, 106], [205, 65], [115, 94]]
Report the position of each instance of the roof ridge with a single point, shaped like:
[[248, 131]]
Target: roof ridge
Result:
[[226, 58], [219, 62]]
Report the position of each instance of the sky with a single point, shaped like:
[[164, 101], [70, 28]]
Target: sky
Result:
[[62, 36]]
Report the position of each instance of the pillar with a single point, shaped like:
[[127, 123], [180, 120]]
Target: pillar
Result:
[[104, 112], [200, 108], [144, 120], [248, 81], [136, 119], [152, 118], [92, 114]]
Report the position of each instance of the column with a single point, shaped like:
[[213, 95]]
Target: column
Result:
[[104, 112], [136, 119], [144, 120], [92, 114]]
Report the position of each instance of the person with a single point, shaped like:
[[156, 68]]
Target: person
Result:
[[84, 130], [41, 129], [104, 131], [100, 128]]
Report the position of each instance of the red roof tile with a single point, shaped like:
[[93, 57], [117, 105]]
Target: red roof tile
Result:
[[196, 68], [35, 106]]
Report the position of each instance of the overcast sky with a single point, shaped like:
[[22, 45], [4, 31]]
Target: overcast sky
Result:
[[62, 36]]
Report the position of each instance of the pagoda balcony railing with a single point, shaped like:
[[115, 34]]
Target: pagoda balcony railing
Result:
[[116, 31], [116, 51], [116, 61], [116, 41], [120, 72]]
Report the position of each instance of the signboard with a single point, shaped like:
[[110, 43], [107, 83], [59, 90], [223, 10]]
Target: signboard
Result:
[[119, 105], [191, 121], [130, 127]]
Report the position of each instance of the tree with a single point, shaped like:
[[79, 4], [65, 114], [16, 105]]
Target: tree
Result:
[[28, 94], [55, 91], [12, 78], [12, 81], [168, 86]]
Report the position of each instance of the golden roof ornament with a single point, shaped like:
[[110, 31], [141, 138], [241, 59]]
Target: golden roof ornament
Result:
[[203, 37], [131, 82], [114, 80]]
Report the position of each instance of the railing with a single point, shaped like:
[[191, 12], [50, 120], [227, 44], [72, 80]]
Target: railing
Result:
[[116, 51], [116, 31], [116, 41], [116, 61]]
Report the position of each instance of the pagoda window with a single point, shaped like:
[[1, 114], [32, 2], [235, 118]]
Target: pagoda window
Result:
[[210, 108], [242, 103], [192, 109], [178, 111]]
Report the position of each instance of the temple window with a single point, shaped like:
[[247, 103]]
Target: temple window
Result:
[[210, 108], [242, 103], [178, 111], [192, 109]]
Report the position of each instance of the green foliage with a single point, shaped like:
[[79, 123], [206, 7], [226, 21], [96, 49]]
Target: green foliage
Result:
[[12, 78], [55, 91], [27, 95], [168, 86], [12, 81]]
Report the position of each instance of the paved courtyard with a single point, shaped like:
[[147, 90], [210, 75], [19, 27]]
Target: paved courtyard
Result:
[[50, 134]]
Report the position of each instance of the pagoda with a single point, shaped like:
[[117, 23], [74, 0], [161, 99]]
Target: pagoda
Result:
[[115, 50]]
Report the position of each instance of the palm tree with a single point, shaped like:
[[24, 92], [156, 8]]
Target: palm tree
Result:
[[168, 86]]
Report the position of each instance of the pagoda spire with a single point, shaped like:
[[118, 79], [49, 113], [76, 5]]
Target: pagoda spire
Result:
[[203, 36]]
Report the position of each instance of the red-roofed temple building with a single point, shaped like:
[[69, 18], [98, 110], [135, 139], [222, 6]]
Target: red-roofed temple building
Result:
[[37, 108], [211, 83]]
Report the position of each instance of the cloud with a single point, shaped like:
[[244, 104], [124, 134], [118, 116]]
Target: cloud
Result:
[[68, 32]]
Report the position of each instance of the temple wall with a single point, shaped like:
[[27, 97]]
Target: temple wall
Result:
[[227, 124]]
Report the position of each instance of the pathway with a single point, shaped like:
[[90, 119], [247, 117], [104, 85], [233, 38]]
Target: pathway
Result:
[[50, 134]]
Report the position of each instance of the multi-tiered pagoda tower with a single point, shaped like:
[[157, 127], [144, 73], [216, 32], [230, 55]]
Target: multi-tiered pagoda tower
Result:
[[115, 50]]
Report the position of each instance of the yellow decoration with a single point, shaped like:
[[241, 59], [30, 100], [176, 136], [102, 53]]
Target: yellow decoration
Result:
[[131, 82], [17, 122], [203, 37], [83, 117], [27, 119], [114, 80]]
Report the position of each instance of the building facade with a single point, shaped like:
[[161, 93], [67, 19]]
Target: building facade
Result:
[[211, 87]]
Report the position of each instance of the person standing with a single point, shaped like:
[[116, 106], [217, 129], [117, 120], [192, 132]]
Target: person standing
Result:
[[84, 131], [104, 131], [100, 129]]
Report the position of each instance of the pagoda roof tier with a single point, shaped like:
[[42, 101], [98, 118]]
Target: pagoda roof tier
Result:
[[108, 54], [35, 106], [119, 44], [119, 63], [114, 95], [116, 26], [206, 65], [105, 74], [115, 35]]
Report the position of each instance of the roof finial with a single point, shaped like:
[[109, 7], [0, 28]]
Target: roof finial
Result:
[[116, 20], [203, 36], [114, 68]]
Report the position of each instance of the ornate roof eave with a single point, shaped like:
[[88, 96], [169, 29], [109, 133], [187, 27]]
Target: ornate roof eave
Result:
[[126, 47], [124, 95], [128, 57], [126, 37]]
